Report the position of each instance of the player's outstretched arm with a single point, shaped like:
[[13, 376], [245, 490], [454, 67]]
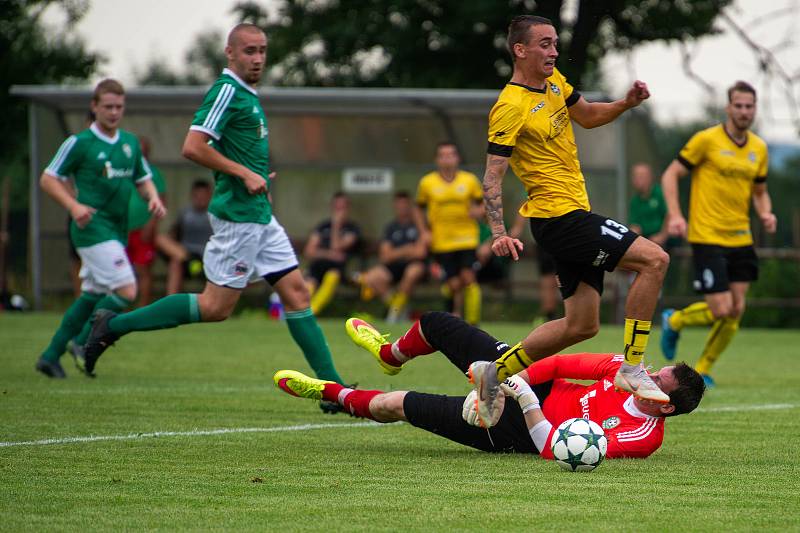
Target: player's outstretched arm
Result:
[[197, 149], [676, 223], [59, 191], [763, 206], [538, 426], [502, 244], [593, 114]]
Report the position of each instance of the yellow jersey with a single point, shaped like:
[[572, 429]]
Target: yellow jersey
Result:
[[448, 206], [723, 175], [533, 128]]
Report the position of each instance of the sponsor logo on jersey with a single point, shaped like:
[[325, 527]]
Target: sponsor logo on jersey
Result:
[[611, 422], [128, 150], [584, 401], [602, 255], [558, 122], [538, 107], [112, 173], [607, 384], [728, 153], [555, 89]]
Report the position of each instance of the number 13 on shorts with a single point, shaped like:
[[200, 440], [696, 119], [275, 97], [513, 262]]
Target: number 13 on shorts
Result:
[[614, 229]]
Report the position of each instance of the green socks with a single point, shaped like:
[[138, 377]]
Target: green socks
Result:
[[74, 319], [112, 302], [309, 337], [168, 312]]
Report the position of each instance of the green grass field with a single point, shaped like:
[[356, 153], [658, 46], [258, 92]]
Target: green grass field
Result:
[[732, 465]]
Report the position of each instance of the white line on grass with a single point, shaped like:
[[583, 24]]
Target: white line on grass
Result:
[[194, 433], [738, 408], [308, 427]]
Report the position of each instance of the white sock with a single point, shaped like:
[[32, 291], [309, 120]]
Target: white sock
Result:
[[539, 434]]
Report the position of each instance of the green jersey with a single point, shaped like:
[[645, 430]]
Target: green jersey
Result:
[[648, 213], [105, 170], [138, 213], [232, 116]]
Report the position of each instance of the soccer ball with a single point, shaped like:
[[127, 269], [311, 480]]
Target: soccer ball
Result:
[[579, 445]]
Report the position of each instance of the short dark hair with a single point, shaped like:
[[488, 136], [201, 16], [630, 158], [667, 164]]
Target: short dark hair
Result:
[[687, 395], [404, 195], [200, 184], [442, 144], [741, 87], [518, 30], [108, 85], [339, 194], [242, 26]]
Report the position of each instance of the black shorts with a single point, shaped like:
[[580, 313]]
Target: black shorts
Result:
[[398, 268], [453, 263], [584, 246], [441, 415], [715, 267], [318, 268], [547, 263], [496, 269]]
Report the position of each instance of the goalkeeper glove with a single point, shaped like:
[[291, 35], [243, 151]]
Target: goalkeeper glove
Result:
[[517, 388]]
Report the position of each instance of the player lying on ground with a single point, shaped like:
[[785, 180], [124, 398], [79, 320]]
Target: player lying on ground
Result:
[[544, 397]]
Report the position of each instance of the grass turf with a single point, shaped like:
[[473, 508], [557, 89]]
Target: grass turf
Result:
[[729, 466]]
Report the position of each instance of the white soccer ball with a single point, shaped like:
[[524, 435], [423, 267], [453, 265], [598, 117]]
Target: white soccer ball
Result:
[[579, 445]]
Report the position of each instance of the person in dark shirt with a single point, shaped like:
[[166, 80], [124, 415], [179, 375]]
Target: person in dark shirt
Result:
[[193, 230], [401, 256], [331, 244]]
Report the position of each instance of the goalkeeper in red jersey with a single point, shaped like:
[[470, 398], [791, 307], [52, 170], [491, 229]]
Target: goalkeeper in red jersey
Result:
[[535, 402]]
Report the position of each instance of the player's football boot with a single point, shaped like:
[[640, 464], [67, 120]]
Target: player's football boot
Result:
[[99, 339], [77, 352], [636, 380], [51, 369], [365, 335], [300, 385], [669, 336], [483, 376]]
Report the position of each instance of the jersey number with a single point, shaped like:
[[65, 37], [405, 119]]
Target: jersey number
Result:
[[604, 230]]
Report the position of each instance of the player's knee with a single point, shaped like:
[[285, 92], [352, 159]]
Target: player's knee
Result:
[[129, 292], [215, 311], [659, 260], [388, 407], [581, 331]]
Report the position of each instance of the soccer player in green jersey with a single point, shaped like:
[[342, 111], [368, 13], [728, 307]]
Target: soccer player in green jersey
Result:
[[107, 165], [229, 136]]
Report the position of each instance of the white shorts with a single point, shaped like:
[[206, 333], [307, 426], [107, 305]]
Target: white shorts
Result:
[[240, 251], [105, 267]]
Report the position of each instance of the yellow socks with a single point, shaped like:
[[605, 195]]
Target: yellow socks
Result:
[[697, 314], [637, 332], [397, 303], [324, 293], [472, 303], [513, 361], [718, 339]]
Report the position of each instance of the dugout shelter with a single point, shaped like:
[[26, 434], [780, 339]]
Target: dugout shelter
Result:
[[368, 142]]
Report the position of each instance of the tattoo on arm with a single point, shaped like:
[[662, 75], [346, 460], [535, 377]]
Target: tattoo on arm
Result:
[[493, 193]]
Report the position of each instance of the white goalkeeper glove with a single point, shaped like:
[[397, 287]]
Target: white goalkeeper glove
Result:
[[469, 412], [517, 388]]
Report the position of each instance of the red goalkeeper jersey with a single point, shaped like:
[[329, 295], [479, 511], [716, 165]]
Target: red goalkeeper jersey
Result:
[[630, 432]]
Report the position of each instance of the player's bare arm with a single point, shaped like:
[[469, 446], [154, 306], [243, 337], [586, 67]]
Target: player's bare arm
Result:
[[593, 114], [147, 190], [676, 223], [196, 149], [60, 192], [502, 244], [763, 206]]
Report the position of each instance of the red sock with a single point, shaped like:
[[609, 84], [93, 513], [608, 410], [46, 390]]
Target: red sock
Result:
[[357, 402], [409, 345], [331, 392]]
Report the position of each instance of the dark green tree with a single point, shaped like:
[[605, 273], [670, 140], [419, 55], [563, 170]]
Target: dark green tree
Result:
[[452, 43], [34, 54]]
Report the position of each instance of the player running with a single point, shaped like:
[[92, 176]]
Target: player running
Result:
[[229, 136], [530, 129], [107, 164], [729, 167], [544, 397]]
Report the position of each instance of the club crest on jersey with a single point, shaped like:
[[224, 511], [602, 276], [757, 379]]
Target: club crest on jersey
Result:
[[752, 157], [611, 422], [240, 268], [555, 89], [128, 150]]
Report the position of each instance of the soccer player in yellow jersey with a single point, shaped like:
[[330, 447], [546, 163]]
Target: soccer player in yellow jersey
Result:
[[448, 194], [729, 168], [530, 129]]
